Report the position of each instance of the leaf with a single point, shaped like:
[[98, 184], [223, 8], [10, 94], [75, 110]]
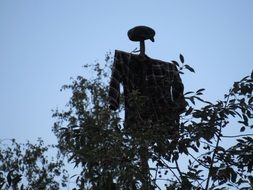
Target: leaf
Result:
[[73, 176], [189, 68], [200, 90], [249, 114], [245, 118], [233, 175], [71, 157], [250, 100], [190, 92], [198, 143], [175, 157], [242, 129], [249, 139], [222, 182], [244, 79], [241, 181], [221, 149], [195, 148], [175, 62], [192, 100], [9, 178], [188, 111], [252, 75], [181, 58]]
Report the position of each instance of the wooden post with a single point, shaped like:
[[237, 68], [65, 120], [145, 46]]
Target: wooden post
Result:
[[142, 48]]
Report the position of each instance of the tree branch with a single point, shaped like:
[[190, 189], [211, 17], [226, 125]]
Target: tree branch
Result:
[[171, 169], [212, 160], [234, 136]]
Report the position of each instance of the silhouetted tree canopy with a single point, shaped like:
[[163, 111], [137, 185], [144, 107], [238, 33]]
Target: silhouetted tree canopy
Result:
[[93, 137]]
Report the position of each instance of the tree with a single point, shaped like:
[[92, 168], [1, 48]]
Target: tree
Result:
[[27, 166], [93, 137]]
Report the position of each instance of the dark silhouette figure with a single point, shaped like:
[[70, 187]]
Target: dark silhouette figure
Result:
[[153, 94]]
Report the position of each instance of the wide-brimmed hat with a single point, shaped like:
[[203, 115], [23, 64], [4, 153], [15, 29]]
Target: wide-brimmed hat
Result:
[[141, 33]]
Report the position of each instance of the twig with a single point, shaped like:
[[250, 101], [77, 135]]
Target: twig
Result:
[[217, 144], [198, 161], [178, 169], [212, 160], [157, 186], [156, 173], [234, 136], [171, 169]]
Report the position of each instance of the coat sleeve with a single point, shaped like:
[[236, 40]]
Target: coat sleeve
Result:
[[114, 88], [178, 91]]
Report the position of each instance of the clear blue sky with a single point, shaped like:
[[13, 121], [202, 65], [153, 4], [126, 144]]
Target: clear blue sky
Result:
[[44, 43]]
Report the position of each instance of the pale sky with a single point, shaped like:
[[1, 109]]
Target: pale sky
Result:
[[44, 43]]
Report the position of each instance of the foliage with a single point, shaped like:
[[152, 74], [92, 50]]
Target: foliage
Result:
[[93, 137], [27, 167], [112, 157]]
